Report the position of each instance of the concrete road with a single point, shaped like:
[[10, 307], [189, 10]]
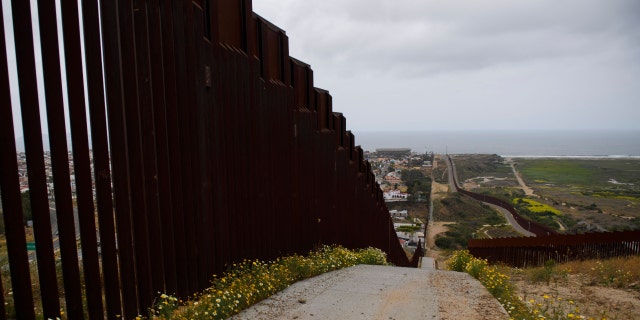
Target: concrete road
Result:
[[381, 292], [511, 220]]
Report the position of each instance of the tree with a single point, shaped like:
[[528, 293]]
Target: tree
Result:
[[26, 206]]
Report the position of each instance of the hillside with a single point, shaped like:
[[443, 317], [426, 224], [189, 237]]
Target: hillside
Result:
[[570, 195], [597, 289], [593, 289]]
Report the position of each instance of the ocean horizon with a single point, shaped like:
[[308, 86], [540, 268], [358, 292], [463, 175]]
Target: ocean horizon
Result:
[[509, 143]]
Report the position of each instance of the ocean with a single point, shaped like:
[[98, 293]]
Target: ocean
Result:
[[595, 143]]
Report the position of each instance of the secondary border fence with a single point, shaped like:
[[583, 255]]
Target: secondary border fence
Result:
[[535, 251], [531, 226], [547, 244], [207, 145]]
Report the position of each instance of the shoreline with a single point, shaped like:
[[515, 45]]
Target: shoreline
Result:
[[599, 157]]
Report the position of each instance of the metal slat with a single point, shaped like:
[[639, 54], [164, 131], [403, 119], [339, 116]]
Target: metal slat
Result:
[[29, 103], [203, 171], [165, 196], [11, 199], [101, 162], [187, 140], [147, 224], [59, 159], [175, 157], [81, 160], [119, 155], [133, 98]]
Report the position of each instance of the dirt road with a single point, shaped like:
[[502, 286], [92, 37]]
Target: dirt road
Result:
[[527, 191]]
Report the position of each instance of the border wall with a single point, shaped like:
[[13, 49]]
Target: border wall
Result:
[[535, 251], [207, 144], [547, 244], [531, 226]]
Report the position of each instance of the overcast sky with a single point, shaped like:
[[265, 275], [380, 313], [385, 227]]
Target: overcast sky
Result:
[[469, 64]]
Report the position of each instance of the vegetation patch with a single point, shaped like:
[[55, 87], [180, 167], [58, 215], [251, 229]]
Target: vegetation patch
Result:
[[535, 206], [556, 171], [409, 228], [622, 195], [497, 283], [417, 183], [246, 283], [472, 166], [472, 216]]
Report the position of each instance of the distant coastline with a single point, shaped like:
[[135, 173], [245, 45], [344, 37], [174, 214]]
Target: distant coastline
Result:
[[609, 144], [512, 143], [572, 157]]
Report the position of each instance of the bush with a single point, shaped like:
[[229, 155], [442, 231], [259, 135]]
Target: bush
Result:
[[444, 242], [496, 282], [476, 267], [459, 259], [545, 273]]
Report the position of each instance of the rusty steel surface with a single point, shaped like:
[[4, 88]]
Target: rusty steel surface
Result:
[[207, 145], [81, 163], [29, 104], [11, 200]]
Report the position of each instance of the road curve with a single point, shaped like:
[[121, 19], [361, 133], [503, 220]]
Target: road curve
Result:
[[510, 219]]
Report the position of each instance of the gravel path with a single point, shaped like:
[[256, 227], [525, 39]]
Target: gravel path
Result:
[[381, 292]]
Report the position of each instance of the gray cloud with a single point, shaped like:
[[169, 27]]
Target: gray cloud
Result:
[[550, 60]]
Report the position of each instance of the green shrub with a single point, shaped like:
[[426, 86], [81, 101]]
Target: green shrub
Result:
[[545, 273], [475, 267], [459, 259]]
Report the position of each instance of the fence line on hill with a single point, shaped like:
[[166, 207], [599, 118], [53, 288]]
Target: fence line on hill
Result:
[[535, 251], [548, 244], [531, 226], [207, 145]]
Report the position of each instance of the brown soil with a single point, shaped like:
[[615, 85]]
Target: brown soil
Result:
[[433, 229], [577, 292], [437, 189]]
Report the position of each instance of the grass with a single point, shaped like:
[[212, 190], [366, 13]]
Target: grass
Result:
[[556, 171], [470, 166], [585, 172], [621, 273], [600, 192], [456, 207], [246, 283]]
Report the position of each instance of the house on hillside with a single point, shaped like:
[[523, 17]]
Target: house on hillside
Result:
[[395, 195], [393, 178]]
